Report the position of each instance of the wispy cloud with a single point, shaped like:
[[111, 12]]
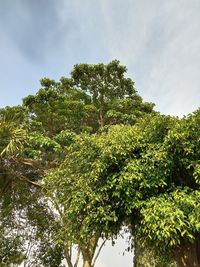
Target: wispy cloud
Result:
[[158, 41]]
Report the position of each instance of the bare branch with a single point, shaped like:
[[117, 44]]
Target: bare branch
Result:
[[78, 257], [68, 258], [98, 252]]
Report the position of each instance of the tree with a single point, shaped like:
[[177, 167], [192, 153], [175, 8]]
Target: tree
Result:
[[111, 94], [90, 100], [75, 105], [51, 111], [146, 176], [177, 210], [144, 173], [145, 255], [94, 96], [25, 222]]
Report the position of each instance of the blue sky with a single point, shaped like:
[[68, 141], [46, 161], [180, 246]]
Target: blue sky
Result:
[[159, 42]]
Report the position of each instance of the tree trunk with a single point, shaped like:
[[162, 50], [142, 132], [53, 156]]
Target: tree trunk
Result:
[[88, 251], [86, 263], [87, 258], [188, 255]]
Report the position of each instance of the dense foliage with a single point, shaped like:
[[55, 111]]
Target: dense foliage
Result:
[[86, 156], [145, 176]]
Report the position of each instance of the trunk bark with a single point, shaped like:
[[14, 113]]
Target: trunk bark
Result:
[[188, 255], [86, 263], [87, 258], [88, 251]]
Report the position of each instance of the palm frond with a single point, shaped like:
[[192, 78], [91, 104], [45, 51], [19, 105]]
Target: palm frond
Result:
[[12, 137]]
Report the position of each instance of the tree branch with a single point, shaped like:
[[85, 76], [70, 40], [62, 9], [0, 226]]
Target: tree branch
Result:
[[68, 258], [78, 257], [99, 250]]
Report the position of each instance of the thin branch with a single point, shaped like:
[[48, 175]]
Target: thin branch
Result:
[[29, 247], [70, 251], [99, 250], [21, 177], [56, 205], [67, 256], [78, 257]]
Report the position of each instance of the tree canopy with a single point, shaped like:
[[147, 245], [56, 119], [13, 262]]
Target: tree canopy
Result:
[[144, 176], [86, 156]]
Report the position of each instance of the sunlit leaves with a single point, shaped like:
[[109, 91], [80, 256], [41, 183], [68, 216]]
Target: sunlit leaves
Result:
[[171, 217], [12, 137], [138, 172]]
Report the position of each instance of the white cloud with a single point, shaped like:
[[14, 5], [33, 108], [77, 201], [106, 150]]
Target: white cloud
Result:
[[174, 79], [160, 43]]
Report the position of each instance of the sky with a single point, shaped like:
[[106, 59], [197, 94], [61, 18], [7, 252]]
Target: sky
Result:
[[158, 41]]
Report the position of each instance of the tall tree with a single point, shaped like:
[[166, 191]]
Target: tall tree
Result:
[[112, 95], [146, 176], [93, 96]]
